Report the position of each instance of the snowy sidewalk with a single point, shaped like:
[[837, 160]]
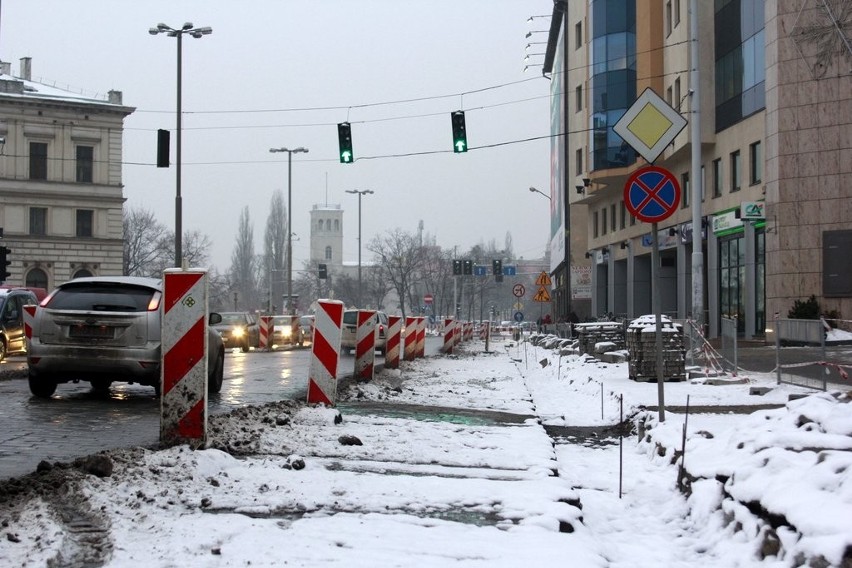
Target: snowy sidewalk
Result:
[[449, 461]]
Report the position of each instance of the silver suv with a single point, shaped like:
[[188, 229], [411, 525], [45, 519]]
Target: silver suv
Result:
[[105, 329], [349, 330]]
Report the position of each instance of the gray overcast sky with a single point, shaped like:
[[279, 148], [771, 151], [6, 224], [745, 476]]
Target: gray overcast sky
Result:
[[272, 56]]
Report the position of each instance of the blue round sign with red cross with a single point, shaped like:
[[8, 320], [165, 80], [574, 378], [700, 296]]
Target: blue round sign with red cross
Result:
[[651, 194]]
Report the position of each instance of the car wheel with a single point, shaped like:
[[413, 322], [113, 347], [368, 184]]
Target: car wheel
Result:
[[245, 347], [3, 349], [101, 385], [214, 379], [41, 388]]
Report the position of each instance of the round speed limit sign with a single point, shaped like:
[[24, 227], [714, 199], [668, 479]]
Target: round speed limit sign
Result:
[[518, 290]]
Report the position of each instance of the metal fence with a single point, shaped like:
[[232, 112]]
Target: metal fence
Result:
[[800, 346], [728, 345]]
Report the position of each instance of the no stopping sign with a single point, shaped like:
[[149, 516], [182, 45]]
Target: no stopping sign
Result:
[[651, 194]]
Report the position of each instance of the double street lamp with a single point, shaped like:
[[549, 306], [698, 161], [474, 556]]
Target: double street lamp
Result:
[[290, 308], [187, 28], [361, 193]]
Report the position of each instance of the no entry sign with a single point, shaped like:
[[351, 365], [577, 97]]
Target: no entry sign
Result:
[[651, 194]]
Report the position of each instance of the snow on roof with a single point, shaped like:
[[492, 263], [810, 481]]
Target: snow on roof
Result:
[[36, 90]]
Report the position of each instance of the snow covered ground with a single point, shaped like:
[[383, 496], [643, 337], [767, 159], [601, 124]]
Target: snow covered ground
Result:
[[507, 458]]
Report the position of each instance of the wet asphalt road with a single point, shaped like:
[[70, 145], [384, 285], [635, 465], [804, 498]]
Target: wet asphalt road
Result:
[[76, 422]]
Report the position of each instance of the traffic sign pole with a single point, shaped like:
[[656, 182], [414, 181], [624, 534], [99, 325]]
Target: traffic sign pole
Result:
[[658, 337]]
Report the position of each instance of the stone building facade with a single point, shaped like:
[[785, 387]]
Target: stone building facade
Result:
[[61, 192]]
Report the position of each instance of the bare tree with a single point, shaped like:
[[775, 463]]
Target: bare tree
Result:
[[242, 273], [274, 247], [400, 255], [142, 232]]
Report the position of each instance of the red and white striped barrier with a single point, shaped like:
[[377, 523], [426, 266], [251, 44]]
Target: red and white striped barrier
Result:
[[449, 335], [183, 369], [410, 338], [325, 353], [483, 330], [365, 345], [421, 337], [394, 335], [266, 332], [29, 319]]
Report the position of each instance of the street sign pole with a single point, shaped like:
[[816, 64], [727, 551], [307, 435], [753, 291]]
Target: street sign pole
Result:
[[658, 337]]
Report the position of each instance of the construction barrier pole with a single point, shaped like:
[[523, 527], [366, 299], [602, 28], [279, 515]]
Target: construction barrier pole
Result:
[[449, 335], [183, 365], [325, 353], [365, 344], [421, 337], [393, 342], [265, 333], [410, 346]]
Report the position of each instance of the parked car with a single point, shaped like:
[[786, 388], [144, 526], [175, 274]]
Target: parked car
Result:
[[307, 325], [103, 329], [287, 330], [239, 329], [350, 326], [12, 302]]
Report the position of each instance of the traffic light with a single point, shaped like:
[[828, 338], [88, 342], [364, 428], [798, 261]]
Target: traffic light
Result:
[[497, 267], [467, 267], [459, 132], [163, 137], [344, 136], [4, 263], [457, 268], [323, 271]]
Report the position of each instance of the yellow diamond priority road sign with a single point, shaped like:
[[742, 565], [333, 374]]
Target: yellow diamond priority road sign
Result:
[[649, 125]]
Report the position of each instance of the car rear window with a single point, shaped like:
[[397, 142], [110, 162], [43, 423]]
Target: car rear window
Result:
[[350, 317], [102, 298]]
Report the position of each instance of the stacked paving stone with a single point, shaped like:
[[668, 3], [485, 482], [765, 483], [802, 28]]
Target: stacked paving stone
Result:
[[642, 345], [590, 334]]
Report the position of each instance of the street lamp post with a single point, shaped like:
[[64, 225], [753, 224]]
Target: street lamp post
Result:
[[534, 190], [187, 28], [361, 193], [290, 153]]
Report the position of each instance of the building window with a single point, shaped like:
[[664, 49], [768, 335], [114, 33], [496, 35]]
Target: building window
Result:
[[623, 222], [736, 179], [85, 219], [337, 225], [578, 97], [319, 225], [717, 178], [328, 225], [38, 221], [612, 217], [579, 161], [38, 160], [740, 58], [669, 97], [578, 35], [83, 273], [595, 228], [755, 164], [37, 278], [603, 221], [668, 18], [85, 159], [676, 12], [677, 94], [328, 253], [684, 190]]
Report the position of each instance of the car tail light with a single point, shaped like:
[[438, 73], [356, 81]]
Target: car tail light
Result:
[[48, 298], [154, 304]]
